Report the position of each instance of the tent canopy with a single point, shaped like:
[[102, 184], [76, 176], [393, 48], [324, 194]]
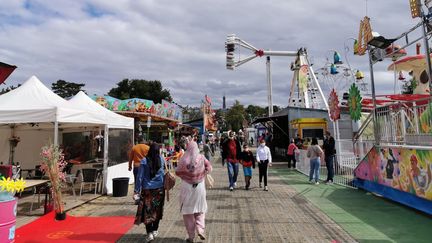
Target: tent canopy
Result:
[[33, 102], [83, 102]]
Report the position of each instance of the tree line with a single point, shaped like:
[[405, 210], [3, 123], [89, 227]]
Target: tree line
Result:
[[233, 118], [238, 115], [125, 89]]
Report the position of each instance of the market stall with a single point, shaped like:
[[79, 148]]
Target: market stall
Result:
[[116, 145], [32, 116], [154, 122]]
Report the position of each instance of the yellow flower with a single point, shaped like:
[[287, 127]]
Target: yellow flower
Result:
[[11, 185], [7, 185], [19, 185]]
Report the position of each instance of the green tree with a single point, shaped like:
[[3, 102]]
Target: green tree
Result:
[[221, 119], [235, 116], [254, 111], [409, 86], [140, 88], [66, 89], [5, 90], [275, 109]]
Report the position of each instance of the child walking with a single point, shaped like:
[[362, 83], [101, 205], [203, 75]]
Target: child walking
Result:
[[248, 161]]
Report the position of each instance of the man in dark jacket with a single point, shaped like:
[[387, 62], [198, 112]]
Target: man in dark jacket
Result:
[[329, 154], [231, 155]]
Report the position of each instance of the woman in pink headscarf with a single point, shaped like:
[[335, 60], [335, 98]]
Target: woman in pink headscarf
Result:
[[192, 169]]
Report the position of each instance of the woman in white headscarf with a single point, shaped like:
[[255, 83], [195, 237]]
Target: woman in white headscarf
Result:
[[192, 169]]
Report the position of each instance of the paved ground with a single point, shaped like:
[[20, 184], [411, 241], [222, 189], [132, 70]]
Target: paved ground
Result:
[[279, 215], [366, 217]]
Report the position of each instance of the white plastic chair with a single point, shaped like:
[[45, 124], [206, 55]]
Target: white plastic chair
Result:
[[89, 176]]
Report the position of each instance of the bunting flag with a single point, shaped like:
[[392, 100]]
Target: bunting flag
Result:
[[5, 71]]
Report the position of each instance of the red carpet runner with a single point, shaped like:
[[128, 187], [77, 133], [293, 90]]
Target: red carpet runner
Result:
[[74, 229]]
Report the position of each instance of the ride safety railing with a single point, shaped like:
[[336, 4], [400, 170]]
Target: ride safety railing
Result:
[[401, 123]]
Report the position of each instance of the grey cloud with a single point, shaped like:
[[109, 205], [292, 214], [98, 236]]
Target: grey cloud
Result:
[[181, 42]]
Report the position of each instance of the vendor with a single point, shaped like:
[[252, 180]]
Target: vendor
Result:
[[137, 153]]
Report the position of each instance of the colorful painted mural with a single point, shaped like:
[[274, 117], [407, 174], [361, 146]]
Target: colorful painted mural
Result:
[[407, 170], [166, 109], [425, 119]]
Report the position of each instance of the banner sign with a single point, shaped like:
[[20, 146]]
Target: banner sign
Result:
[[210, 123], [166, 109]]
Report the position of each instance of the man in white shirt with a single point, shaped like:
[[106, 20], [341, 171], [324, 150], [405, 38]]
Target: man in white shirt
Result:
[[264, 160]]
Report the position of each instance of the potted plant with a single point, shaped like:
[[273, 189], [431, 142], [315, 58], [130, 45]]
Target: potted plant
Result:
[[53, 165], [8, 207]]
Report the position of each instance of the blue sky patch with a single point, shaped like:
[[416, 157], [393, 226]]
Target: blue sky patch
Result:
[[93, 11]]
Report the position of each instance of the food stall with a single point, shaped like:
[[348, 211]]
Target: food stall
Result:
[[154, 122], [308, 128]]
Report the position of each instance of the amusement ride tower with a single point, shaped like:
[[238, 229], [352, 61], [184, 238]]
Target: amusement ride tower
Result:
[[305, 90]]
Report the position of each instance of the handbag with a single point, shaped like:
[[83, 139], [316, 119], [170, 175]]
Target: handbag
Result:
[[209, 181], [169, 181]]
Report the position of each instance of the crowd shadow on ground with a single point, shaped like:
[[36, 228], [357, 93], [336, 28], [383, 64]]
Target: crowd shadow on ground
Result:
[[140, 238]]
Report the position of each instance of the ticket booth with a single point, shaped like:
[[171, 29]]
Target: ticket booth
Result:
[[308, 128]]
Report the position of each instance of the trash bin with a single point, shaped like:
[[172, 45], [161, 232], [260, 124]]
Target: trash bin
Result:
[[120, 186]]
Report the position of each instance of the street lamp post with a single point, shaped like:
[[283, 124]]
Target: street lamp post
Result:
[[376, 125], [375, 48]]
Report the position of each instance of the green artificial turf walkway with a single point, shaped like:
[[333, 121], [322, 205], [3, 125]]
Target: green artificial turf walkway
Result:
[[366, 217]]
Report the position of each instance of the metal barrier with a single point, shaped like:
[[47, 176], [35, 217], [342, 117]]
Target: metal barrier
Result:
[[343, 168], [405, 123]]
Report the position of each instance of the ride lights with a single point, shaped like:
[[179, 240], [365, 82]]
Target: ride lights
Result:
[[230, 49], [415, 6]]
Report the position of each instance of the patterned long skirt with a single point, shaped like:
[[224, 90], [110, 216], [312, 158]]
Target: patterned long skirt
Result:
[[150, 207]]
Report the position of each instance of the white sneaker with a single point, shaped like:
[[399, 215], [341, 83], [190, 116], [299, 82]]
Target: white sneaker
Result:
[[231, 188], [201, 236], [260, 185], [155, 233], [317, 183], [265, 188], [235, 184], [149, 237]]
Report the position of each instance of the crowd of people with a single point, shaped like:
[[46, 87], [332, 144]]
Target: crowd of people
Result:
[[149, 168]]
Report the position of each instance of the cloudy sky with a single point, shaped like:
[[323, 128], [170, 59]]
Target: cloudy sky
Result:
[[181, 42]]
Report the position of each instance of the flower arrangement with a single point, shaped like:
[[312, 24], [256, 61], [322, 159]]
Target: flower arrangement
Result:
[[53, 164], [9, 187]]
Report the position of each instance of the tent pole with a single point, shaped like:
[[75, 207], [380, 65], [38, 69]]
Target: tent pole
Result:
[[105, 160], [11, 147], [56, 133]]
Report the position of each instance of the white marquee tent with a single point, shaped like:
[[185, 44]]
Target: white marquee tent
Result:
[[83, 102], [34, 102], [34, 113]]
